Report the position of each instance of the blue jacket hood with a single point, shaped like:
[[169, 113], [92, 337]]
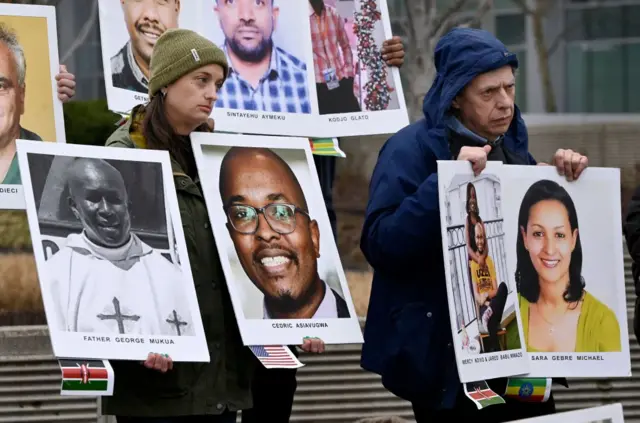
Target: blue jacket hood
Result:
[[461, 55]]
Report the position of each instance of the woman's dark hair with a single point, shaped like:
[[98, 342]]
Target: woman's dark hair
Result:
[[160, 135], [526, 276]]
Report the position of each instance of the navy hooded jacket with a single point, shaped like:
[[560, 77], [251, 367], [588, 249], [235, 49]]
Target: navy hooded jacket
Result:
[[407, 334]]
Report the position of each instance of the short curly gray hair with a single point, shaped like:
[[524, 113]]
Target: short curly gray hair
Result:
[[9, 37]]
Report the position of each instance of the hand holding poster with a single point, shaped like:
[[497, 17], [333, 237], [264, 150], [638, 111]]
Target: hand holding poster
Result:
[[482, 295], [274, 239], [110, 253], [28, 36]]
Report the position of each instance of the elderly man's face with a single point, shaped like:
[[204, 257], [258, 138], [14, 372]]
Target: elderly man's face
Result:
[[486, 104], [11, 93], [98, 198], [147, 20], [283, 267], [248, 26]]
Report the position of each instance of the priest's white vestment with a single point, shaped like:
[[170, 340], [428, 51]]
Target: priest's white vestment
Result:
[[131, 290]]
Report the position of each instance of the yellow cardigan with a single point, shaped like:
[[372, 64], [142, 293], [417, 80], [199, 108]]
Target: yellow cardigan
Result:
[[598, 329]]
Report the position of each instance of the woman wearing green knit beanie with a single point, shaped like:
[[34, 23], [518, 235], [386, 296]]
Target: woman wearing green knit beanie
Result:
[[187, 70]]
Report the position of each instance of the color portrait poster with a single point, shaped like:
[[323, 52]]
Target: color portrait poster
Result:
[[611, 413], [323, 71], [310, 68], [274, 239], [565, 251], [482, 295], [129, 29], [31, 108], [110, 253]]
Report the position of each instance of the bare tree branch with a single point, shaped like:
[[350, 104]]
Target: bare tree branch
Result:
[[410, 25], [525, 7], [443, 18], [83, 34], [474, 21]]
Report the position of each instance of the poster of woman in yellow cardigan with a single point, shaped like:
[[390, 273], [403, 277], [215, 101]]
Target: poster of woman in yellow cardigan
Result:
[[569, 271]]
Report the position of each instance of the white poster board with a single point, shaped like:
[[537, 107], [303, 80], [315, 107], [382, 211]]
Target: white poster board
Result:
[[481, 347], [564, 263], [278, 63], [284, 274], [605, 414], [593, 341], [110, 253]]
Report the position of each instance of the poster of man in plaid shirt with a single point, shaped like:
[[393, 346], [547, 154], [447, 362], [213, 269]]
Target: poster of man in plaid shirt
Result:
[[306, 68]]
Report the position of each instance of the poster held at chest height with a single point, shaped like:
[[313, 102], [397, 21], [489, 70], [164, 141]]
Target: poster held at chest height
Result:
[[481, 293], [32, 110], [110, 252], [565, 251], [275, 242]]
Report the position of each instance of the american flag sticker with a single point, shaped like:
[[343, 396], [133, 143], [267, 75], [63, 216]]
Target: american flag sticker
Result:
[[86, 377], [276, 356]]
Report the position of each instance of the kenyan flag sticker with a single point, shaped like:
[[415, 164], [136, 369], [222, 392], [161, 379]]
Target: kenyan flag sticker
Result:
[[86, 377]]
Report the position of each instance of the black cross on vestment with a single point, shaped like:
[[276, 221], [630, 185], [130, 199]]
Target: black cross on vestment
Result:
[[176, 322], [118, 316]]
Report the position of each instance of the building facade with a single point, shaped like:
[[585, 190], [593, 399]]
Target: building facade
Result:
[[593, 48]]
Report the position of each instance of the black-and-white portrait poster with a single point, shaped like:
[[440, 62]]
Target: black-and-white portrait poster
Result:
[[110, 252], [275, 241]]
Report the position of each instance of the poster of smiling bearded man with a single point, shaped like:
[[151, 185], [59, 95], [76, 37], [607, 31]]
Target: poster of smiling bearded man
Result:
[[274, 239], [129, 30]]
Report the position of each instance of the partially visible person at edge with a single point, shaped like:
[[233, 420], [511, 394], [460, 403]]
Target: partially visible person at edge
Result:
[[13, 89], [469, 115], [631, 228], [274, 389], [183, 88]]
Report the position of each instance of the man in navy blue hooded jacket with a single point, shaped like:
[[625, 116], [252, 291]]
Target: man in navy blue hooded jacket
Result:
[[469, 114]]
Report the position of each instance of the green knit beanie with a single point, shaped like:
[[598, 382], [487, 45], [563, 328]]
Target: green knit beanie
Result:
[[178, 52]]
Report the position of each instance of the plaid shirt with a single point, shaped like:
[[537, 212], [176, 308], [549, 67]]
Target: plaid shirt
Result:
[[330, 43], [283, 88]]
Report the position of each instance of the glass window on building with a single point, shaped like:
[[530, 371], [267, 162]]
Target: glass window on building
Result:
[[602, 56]]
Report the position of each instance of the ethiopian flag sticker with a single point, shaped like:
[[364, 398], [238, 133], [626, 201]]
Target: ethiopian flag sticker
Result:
[[86, 377], [529, 389]]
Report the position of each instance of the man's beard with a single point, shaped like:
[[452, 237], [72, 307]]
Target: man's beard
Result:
[[285, 303], [254, 55]]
